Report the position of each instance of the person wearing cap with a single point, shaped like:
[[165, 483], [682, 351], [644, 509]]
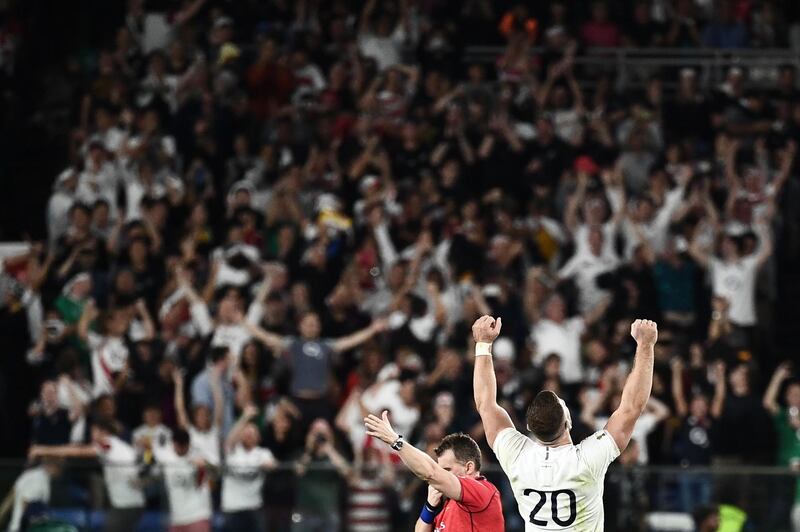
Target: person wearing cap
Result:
[[460, 499]]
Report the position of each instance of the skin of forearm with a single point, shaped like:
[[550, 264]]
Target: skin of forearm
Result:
[[640, 382], [484, 382]]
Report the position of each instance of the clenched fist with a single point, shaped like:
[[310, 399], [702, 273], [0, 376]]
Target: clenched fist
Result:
[[486, 329], [645, 332]]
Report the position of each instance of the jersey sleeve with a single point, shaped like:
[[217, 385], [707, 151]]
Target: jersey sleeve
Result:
[[508, 445], [475, 495], [598, 451]]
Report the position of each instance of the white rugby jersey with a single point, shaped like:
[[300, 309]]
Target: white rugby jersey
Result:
[[557, 488]]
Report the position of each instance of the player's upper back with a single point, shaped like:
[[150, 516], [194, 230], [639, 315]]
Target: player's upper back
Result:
[[557, 488]]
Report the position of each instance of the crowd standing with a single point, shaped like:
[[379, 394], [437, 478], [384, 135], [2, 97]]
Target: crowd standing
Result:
[[277, 217]]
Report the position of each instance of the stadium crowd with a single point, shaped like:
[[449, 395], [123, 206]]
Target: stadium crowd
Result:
[[279, 216]]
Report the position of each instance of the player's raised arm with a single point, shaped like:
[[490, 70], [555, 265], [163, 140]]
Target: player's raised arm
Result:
[[494, 418], [422, 465], [637, 388]]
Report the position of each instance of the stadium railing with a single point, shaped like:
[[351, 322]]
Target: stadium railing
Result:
[[631, 67], [651, 498]]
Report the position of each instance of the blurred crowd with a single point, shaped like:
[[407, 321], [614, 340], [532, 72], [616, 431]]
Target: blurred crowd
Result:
[[279, 216]]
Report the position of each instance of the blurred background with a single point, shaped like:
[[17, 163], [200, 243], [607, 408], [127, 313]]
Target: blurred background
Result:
[[281, 215]]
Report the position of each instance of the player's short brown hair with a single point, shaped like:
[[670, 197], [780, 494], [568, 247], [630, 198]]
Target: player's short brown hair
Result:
[[464, 448], [545, 416]]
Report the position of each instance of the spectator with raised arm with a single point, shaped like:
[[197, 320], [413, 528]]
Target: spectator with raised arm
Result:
[[120, 473], [217, 371], [786, 419], [695, 438], [311, 359], [205, 425], [245, 465], [734, 275]]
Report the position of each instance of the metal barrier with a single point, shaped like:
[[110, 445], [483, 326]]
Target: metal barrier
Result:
[[636, 498], [633, 66]]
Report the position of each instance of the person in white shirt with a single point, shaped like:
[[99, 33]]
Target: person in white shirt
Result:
[[152, 432], [245, 466], [647, 223], [594, 207], [106, 131], [100, 178], [206, 424], [187, 484], [228, 329], [558, 485], [555, 333], [31, 491], [586, 266], [120, 473], [655, 412], [734, 275], [60, 202], [397, 395], [383, 40], [109, 351]]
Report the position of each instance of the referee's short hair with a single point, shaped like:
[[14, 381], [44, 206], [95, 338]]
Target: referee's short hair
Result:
[[464, 448]]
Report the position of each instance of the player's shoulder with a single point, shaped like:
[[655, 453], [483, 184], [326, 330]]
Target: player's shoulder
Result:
[[601, 436], [599, 447]]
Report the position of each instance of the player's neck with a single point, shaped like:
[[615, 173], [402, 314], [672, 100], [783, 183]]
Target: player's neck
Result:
[[564, 439]]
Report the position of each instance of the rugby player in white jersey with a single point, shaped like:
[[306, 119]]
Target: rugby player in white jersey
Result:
[[558, 484]]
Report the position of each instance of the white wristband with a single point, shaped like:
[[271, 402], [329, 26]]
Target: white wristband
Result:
[[483, 349]]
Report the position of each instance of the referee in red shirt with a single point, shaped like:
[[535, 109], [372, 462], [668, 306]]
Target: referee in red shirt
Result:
[[471, 503]]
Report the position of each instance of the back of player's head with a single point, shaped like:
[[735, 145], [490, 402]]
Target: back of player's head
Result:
[[546, 417], [464, 448]]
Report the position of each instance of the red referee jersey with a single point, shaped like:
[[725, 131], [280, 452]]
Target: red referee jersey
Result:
[[479, 509]]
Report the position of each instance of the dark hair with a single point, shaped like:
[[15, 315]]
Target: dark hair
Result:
[[545, 416], [217, 354], [464, 448], [152, 405], [181, 437], [105, 426], [408, 375]]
